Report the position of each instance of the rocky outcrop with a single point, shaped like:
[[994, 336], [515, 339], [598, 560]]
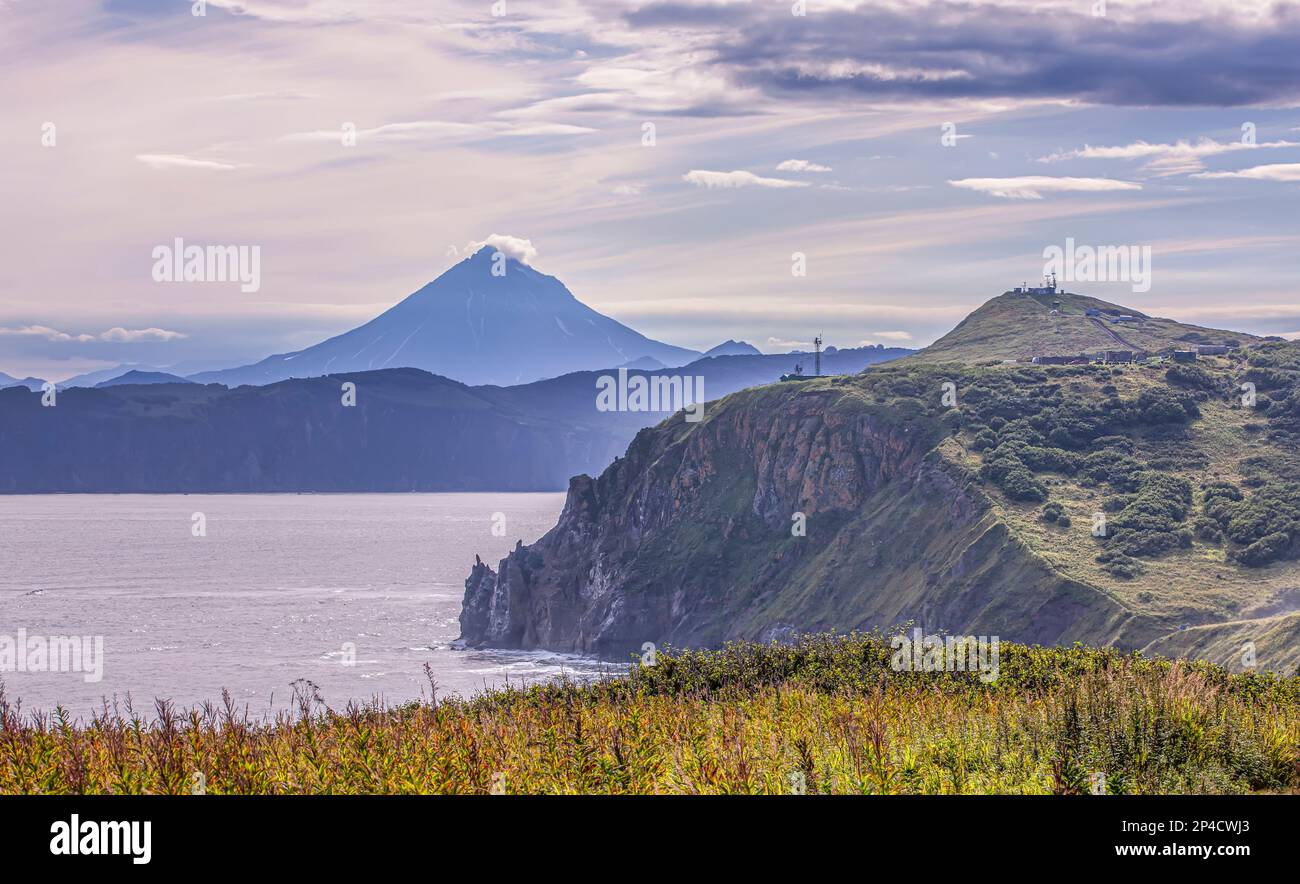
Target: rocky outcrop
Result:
[[693, 539]]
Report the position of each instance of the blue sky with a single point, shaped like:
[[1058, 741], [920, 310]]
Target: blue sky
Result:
[[774, 133]]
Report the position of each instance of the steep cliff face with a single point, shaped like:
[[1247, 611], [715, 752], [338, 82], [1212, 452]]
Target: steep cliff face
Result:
[[693, 539]]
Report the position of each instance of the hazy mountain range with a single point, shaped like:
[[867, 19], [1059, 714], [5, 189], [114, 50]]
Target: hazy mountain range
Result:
[[28, 382], [733, 348], [99, 375], [409, 430], [136, 376], [416, 424]]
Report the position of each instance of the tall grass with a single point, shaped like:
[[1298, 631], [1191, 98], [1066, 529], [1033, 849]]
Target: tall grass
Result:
[[826, 714]]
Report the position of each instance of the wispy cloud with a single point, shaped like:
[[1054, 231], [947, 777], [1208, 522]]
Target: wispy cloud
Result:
[[781, 344], [1032, 187], [1178, 158], [432, 130], [117, 334], [180, 161], [1287, 172], [739, 178], [133, 335], [282, 95], [801, 166], [43, 331]]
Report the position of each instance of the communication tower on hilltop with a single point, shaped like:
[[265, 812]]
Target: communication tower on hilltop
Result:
[[817, 355], [1049, 287]]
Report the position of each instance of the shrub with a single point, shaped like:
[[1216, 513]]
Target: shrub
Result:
[[1150, 523], [1056, 460], [1267, 524], [1112, 467], [1117, 564], [1221, 489], [1191, 376], [1208, 530], [984, 440], [1268, 548], [1166, 407], [1019, 484]]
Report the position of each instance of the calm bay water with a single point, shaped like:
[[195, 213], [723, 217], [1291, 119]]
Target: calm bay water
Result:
[[275, 592]]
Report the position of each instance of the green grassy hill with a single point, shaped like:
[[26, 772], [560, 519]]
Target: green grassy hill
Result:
[[958, 493], [1018, 326], [1198, 491]]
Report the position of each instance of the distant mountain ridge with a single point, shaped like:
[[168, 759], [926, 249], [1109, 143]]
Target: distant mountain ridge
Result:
[[409, 431], [135, 376], [99, 375], [476, 326], [733, 348], [28, 382]]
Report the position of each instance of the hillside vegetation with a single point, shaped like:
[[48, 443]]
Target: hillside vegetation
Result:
[[822, 715], [1148, 505], [1197, 489]]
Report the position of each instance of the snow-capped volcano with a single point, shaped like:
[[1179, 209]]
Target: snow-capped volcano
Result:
[[490, 319]]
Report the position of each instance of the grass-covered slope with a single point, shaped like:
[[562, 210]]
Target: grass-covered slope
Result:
[[974, 515], [1192, 490], [1019, 326], [823, 715]]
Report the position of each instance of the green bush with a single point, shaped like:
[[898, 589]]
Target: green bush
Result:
[[1020, 484], [1117, 564], [1266, 525], [1151, 523], [1208, 529], [984, 440], [1268, 548], [1166, 407], [1191, 376], [1112, 467]]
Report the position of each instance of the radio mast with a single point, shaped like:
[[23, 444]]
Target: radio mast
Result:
[[817, 355]]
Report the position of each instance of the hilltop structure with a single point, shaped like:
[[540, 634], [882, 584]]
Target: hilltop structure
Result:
[[1047, 288]]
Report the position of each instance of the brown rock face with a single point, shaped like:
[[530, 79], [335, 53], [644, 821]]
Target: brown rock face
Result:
[[692, 539]]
